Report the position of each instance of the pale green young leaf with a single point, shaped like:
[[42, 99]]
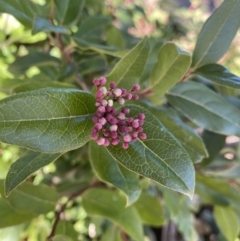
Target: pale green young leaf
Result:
[[219, 75], [25, 166], [44, 25], [110, 204], [217, 34], [129, 69], [213, 112], [227, 222], [108, 170], [47, 120], [23, 63], [171, 66], [150, 210], [160, 157]]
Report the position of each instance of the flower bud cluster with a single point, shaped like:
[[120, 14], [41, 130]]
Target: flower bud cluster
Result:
[[112, 126]]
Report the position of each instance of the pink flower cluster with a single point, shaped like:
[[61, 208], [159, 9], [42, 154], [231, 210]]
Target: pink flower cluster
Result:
[[112, 126]]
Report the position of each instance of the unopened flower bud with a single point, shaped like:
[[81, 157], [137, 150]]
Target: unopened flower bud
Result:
[[100, 141], [117, 92], [121, 101], [104, 102], [125, 145], [110, 102], [104, 90], [113, 85], [113, 128], [103, 81], [135, 97], [136, 87], [127, 138]]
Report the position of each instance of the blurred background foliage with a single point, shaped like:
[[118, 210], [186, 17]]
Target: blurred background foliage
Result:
[[130, 20]]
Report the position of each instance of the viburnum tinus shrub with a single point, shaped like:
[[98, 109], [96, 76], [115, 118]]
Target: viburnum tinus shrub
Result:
[[116, 133]]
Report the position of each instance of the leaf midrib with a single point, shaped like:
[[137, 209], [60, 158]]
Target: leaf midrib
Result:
[[49, 119]]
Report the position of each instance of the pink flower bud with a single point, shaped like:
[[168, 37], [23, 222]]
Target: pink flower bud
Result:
[[125, 145], [104, 102], [127, 138], [101, 141], [94, 136], [113, 85], [128, 96], [121, 101], [141, 116], [142, 136], [114, 135], [125, 111], [102, 121], [135, 97], [106, 143], [113, 128], [121, 116], [110, 102], [136, 87], [135, 124], [97, 126], [115, 142], [117, 92], [104, 90], [101, 109], [103, 80], [96, 82], [124, 91]]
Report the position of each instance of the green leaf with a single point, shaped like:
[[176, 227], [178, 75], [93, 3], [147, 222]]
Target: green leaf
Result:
[[227, 222], [108, 170], [180, 214], [112, 233], [216, 191], [66, 228], [91, 26], [69, 10], [23, 10], [160, 157], [110, 204], [102, 49], [29, 198], [61, 237], [44, 25], [217, 34], [171, 66], [128, 70], [219, 75], [190, 140], [23, 63], [47, 120], [213, 112], [150, 210], [214, 142], [35, 85], [25, 166], [9, 216]]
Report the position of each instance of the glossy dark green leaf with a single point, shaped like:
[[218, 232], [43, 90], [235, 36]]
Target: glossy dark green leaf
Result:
[[47, 120], [214, 142], [190, 140], [219, 75], [69, 10], [108, 170], [91, 26], [40, 85], [216, 191], [160, 157], [23, 10], [44, 25], [171, 66], [28, 198], [213, 112], [25, 166], [23, 63], [128, 70], [227, 222], [217, 33], [9, 216], [110, 204], [150, 210]]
